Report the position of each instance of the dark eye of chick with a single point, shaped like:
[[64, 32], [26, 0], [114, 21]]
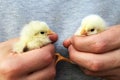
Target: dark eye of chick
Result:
[[92, 30], [42, 32]]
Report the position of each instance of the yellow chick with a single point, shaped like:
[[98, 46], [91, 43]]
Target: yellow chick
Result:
[[90, 25], [33, 35]]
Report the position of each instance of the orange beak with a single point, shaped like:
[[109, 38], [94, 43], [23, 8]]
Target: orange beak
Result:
[[50, 32], [83, 32]]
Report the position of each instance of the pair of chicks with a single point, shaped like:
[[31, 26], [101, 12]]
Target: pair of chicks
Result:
[[35, 34]]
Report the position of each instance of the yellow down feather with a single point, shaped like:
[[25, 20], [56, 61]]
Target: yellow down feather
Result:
[[33, 35], [90, 25]]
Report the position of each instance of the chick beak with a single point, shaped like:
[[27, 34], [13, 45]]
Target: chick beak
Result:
[[50, 32], [83, 32]]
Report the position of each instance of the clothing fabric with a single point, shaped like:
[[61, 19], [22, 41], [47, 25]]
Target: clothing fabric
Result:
[[63, 17]]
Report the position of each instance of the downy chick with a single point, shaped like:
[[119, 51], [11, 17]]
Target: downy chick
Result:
[[90, 25], [33, 35]]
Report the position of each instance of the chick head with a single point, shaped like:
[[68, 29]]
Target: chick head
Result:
[[35, 34], [90, 25], [36, 29]]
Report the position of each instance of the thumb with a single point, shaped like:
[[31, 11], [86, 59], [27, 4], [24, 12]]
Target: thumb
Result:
[[67, 43], [53, 37]]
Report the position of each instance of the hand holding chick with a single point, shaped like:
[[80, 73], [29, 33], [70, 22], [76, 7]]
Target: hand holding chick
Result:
[[31, 65], [90, 25], [98, 54], [35, 35]]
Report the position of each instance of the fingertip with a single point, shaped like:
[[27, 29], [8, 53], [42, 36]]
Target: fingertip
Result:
[[53, 37], [67, 42]]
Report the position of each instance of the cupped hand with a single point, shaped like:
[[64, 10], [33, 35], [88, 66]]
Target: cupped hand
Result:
[[98, 55], [38, 64]]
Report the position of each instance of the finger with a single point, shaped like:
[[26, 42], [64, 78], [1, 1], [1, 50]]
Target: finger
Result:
[[39, 58], [47, 73], [106, 73], [102, 42], [53, 37], [18, 64], [67, 42], [95, 62], [6, 47]]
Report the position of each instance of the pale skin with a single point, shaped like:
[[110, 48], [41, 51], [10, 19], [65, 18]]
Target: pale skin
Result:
[[38, 64], [101, 58], [97, 55]]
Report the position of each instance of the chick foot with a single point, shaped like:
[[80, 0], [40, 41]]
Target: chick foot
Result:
[[61, 58]]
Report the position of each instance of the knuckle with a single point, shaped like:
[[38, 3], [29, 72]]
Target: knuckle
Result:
[[99, 47], [48, 58], [95, 65]]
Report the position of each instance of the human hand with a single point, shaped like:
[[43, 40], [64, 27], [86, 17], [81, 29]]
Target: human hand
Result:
[[37, 64], [98, 55]]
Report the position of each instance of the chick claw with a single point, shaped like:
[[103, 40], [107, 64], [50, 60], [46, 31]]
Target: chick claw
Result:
[[61, 58]]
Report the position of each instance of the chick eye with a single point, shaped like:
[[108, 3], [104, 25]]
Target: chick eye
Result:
[[42, 32], [92, 30]]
